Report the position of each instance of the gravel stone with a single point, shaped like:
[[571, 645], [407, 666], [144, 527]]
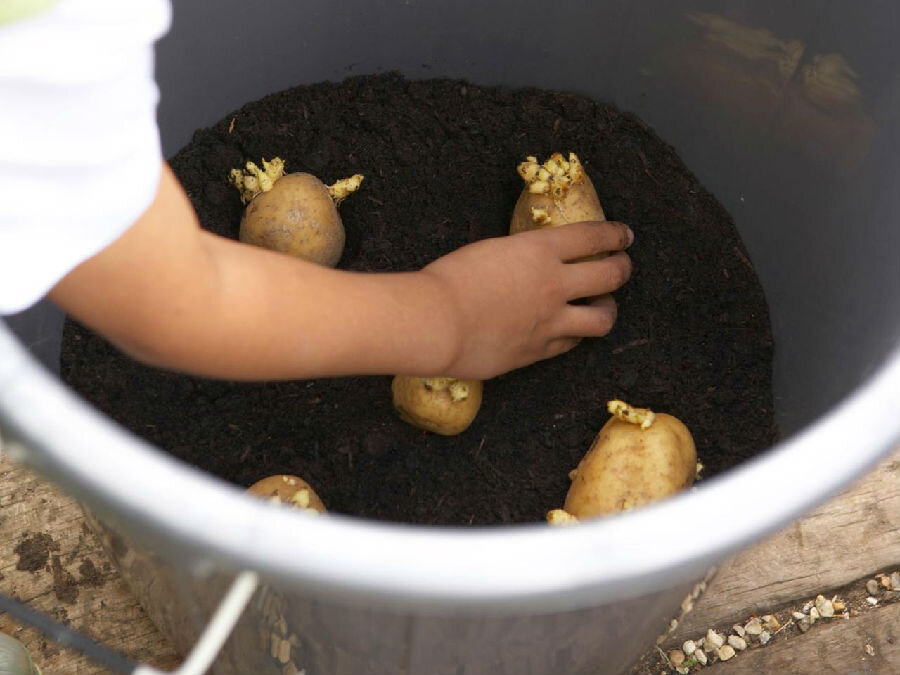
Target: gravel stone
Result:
[[737, 642], [753, 627], [825, 607], [713, 640], [689, 647], [895, 581], [803, 624], [700, 655], [676, 657], [798, 615], [872, 587], [885, 582], [738, 630], [872, 601], [813, 615], [764, 637], [725, 652]]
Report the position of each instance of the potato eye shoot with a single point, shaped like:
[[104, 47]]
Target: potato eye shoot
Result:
[[292, 213], [442, 405], [638, 457]]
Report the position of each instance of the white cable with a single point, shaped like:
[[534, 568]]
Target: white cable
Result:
[[217, 630]]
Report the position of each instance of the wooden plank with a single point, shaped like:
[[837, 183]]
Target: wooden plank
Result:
[[52, 562], [868, 644], [854, 535]]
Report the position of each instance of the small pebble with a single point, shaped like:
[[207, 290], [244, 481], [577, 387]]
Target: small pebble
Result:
[[764, 637], [739, 643], [838, 606], [725, 652], [700, 655], [885, 581], [689, 647], [891, 595], [284, 652], [871, 587], [813, 614], [713, 640], [798, 615], [753, 627], [739, 630], [895, 581], [803, 624], [676, 657], [825, 607], [870, 650], [872, 601], [770, 622], [682, 670], [807, 606]]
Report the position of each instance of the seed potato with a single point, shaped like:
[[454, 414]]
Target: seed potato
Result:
[[638, 457], [556, 192], [442, 405], [288, 490], [295, 213]]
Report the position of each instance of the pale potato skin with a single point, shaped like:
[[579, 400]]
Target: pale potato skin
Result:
[[580, 204], [298, 217], [285, 486], [434, 410], [627, 467]]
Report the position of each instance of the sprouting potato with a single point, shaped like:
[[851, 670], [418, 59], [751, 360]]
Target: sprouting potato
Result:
[[294, 213], [638, 457], [556, 192], [289, 490], [443, 405]]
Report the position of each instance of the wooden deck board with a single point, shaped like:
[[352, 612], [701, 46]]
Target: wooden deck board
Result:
[[854, 535], [52, 562]]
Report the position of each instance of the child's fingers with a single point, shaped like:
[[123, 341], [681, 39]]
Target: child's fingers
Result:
[[594, 319], [596, 277], [560, 346], [579, 240]]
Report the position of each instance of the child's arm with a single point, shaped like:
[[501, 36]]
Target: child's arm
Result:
[[175, 296]]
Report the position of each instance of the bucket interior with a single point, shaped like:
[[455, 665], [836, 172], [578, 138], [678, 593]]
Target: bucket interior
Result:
[[785, 117]]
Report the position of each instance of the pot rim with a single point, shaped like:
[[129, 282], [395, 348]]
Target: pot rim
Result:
[[211, 524]]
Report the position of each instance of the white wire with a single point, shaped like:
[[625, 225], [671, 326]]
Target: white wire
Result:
[[217, 630]]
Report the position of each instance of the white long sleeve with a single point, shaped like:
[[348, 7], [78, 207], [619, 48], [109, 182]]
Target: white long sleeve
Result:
[[80, 156]]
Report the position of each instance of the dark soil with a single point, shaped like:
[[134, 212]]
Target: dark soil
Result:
[[692, 339]]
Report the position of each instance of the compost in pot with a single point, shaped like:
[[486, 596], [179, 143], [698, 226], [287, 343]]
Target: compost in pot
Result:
[[440, 157]]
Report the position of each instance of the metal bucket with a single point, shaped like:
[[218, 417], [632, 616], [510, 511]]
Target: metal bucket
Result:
[[788, 116]]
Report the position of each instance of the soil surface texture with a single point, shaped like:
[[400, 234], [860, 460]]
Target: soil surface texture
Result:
[[692, 339]]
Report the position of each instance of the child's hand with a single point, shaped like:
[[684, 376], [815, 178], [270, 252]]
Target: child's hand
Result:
[[510, 296]]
